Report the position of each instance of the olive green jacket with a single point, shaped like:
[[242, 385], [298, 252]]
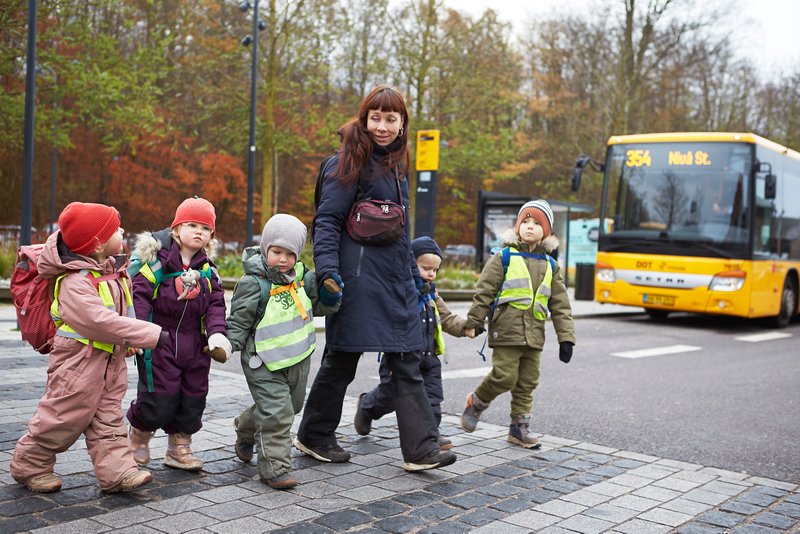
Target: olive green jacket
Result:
[[512, 326]]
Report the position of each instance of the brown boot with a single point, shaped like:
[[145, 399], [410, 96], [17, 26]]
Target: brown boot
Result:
[[140, 444], [132, 480], [179, 453], [519, 434], [46, 483]]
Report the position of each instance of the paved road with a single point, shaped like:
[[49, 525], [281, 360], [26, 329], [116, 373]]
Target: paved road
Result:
[[570, 485], [727, 396]]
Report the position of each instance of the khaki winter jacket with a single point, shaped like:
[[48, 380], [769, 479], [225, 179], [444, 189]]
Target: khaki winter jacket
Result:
[[80, 307], [512, 326]]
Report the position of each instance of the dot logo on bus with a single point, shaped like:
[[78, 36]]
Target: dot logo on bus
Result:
[[644, 264]]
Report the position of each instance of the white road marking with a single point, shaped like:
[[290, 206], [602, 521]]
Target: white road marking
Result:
[[475, 372], [767, 336], [657, 351]]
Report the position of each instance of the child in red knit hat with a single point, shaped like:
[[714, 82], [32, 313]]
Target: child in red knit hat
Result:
[[87, 376], [173, 380]]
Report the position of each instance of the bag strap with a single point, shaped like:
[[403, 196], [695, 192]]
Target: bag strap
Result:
[[263, 298]]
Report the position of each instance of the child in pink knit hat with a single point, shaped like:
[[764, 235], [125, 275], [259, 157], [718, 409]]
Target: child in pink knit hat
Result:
[[173, 380]]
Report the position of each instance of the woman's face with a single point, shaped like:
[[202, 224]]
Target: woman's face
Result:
[[384, 126]]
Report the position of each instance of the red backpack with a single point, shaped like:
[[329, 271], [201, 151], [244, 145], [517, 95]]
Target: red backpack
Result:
[[33, 296]]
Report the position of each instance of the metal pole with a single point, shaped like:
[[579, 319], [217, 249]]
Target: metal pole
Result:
[[251, 159], [30, 90], [53, 188]]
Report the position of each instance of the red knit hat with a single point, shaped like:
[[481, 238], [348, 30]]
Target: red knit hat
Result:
[[197, 210], [84, 226]]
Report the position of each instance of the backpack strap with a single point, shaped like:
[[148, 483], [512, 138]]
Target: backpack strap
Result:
[[263, 298]]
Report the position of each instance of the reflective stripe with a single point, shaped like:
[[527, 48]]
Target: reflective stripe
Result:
[[280, 329], [281, 352]]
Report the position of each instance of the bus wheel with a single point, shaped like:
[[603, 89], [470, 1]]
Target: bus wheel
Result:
[[788, 304], [656, 314]]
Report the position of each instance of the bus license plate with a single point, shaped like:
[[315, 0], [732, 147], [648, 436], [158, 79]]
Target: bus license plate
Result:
[[661, 300]]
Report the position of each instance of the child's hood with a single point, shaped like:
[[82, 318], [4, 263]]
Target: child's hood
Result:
[[253, 262], [547, 245], [57, 258]]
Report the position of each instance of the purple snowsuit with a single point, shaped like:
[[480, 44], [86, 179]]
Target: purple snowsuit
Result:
[[180, 367]]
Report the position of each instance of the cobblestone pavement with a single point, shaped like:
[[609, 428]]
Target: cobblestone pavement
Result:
[[494, 487]]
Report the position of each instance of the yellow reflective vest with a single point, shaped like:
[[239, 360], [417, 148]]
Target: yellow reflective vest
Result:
[[285, 334], [438, 334], [104, 291], [517, 288]]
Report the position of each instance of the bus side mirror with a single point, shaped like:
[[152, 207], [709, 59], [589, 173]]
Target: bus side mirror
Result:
[[770, 186], [577, 171]]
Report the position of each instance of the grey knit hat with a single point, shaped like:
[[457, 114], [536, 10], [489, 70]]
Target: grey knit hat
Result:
[[284, 230]]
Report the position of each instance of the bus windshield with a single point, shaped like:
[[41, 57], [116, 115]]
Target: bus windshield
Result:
[[681, 198]]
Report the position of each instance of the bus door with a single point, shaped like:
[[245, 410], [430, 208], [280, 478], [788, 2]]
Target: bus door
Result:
[[767, 274]]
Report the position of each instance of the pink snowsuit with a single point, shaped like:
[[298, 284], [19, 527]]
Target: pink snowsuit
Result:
[[85, 385]]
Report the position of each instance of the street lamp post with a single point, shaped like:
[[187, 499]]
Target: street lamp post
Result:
[[30, 90], [251, 155]]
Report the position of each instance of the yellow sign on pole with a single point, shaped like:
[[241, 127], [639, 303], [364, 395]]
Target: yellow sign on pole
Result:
[[427, 150]]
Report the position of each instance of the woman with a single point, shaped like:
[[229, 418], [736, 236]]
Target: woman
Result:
[[378, 287]]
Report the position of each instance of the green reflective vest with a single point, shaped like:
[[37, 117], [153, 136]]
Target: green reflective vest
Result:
[[104, 291], [285, 334], [517, 288]]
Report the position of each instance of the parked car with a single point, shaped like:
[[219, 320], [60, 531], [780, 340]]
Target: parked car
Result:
[[462, 253]]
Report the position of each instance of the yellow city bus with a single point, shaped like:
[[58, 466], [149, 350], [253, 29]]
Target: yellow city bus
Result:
[[702, 222]]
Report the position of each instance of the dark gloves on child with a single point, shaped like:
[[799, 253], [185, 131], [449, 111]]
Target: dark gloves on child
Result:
[[565, 351], [479, 330], [163, 339], [330, 291], [423, 287]]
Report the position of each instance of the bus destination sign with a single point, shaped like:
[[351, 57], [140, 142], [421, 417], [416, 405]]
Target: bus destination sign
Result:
[[675, 158]]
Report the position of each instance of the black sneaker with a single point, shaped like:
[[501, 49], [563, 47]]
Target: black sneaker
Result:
[[361, 421], [324, 453], [433, 460]]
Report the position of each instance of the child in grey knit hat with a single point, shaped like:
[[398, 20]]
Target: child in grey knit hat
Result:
[[272, 324]]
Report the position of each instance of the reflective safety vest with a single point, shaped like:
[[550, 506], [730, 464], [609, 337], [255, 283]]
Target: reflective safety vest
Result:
[[285, 334], [517, 288], [104, 291]]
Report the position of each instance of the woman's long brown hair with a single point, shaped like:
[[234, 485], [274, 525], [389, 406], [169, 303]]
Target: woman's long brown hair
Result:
[[356, 149]]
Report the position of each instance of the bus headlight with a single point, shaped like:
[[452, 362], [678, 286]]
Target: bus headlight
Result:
[[605, 273], [727, 281]]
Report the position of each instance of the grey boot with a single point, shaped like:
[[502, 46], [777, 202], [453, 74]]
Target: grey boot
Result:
[[519, 433], [472, 412]]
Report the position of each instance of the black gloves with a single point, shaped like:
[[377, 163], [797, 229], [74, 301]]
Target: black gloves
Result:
[[565, 351], [163, 339], [479, 330], [423, 287]]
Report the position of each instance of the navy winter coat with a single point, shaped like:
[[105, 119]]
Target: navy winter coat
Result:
[[379, 299]]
